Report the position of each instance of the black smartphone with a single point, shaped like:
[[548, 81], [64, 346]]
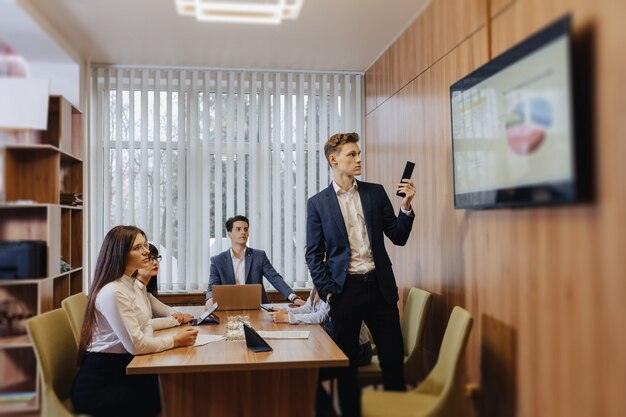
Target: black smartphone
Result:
[[266, 308], [408, 171]]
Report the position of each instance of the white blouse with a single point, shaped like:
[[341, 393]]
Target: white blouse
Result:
[[309, 313], [124, 320], [161, 313]]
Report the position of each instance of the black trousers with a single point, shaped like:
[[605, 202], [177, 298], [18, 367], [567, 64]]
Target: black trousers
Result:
[[323, 402], [358, 302], [102, 388]]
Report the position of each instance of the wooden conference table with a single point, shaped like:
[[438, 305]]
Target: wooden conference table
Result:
[[224, 378]]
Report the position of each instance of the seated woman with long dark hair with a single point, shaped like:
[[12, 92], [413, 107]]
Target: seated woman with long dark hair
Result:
[[117, 326]]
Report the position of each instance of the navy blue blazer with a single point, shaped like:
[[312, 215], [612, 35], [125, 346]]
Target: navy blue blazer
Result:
[[257, 267], [326, 230]]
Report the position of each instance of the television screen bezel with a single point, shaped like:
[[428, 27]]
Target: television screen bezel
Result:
[[546, 194]]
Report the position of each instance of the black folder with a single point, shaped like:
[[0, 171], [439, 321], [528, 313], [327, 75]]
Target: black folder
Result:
[[254, 341]]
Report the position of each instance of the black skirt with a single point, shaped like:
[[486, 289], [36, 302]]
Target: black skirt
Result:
[[102, 388]]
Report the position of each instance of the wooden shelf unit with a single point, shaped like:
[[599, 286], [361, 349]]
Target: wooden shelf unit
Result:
[[38, 168]]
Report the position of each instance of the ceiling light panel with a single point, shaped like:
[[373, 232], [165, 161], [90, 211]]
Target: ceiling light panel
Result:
[[240, 11]]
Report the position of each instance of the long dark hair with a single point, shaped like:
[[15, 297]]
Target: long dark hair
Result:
[[111, 265], [153, 287]]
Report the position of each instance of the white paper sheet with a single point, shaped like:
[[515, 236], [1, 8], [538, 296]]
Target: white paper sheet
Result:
[[284, 334], [280, 306], [203, 339]]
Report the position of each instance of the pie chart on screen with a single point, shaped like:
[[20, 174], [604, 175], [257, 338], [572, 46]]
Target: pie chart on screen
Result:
[[526, 125]]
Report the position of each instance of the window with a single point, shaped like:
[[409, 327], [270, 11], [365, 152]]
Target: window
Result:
[[177, 152]]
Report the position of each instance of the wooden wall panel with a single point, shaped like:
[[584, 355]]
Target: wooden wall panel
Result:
[[523, 18], [587, 274], [609, 116], [423, 43], [383, 88], [370, 90], [497, 6], [545, 285], [413, 125]]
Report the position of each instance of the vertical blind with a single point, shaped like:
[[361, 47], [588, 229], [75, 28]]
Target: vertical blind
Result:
[[176, 152]]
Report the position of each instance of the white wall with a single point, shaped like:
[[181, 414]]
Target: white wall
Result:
[[64, 79]]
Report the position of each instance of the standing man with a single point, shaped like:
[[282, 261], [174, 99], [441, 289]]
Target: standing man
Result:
[[243, 265], [347, 222]]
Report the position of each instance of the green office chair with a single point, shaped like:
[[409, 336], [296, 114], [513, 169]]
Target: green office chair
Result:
[[57, 354], [441, 393], [412, 324], [75, 307]]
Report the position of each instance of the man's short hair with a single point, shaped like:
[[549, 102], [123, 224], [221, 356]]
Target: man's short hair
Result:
[[336, 141], [231, 221]]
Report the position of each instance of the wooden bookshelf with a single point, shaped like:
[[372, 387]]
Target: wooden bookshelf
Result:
[[40, 171]]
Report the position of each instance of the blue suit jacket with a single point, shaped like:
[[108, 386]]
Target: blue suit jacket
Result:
[[326, 230], [257, 267]]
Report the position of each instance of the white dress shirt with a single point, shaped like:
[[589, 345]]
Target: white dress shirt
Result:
[[361, 259], [123, 320], [239, 266]]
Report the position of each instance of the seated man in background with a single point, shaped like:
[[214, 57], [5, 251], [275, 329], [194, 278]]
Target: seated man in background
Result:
[[243, 265]]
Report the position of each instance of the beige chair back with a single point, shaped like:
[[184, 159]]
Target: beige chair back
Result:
[[75, 307], [441, 393], [57, 353], [412, 324], [443, 381]]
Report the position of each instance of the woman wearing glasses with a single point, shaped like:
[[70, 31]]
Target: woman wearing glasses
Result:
[[117, 326], [163, 315]]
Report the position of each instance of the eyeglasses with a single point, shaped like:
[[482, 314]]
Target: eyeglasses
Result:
[[155, 258]]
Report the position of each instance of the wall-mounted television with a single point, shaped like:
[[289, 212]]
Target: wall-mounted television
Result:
[[512, 126]]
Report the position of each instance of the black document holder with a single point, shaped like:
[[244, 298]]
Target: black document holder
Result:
[[207, 317], [210, 319], [254, 341]]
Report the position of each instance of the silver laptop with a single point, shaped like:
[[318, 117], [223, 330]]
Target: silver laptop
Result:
[[237, 297]]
